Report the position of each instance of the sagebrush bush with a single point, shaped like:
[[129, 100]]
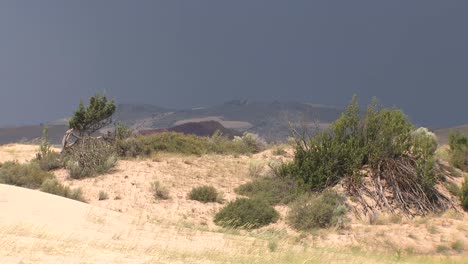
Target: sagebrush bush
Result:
[[246, 213], [52, 186], [458, 143], [464, 194], [205, 194], [174, 142], [23, 175], [47, 158], [252, 141], [323, 210], [272, 190], [160, 192], [90, 157]]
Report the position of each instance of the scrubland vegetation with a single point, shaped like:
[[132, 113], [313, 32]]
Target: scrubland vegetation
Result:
[[376, 160]]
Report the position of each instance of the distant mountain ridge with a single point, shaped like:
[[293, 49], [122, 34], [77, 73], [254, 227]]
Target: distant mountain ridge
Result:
[[268, 119]]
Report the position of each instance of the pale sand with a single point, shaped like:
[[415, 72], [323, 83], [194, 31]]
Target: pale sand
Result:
[[37, 227]]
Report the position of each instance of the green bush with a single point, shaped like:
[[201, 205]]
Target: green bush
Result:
[[464, 194], [459, 150], [355, 140], [52, 186], [23, 175], [246, 213], [251, 141], [98, 114], [47, 158], [90, 157], [160, 192], [324, 210], [174, 142], [205, 194], [272, 190], [49, 161]]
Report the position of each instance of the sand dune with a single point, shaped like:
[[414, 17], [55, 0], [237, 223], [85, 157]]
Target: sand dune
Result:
[[132, 227]]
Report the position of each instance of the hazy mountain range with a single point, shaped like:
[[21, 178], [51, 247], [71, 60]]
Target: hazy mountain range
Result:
[[270, 120]]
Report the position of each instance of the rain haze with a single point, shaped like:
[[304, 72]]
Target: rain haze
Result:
[[184, 54]]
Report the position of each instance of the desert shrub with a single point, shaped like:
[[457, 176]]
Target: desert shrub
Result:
[[52, 186], [174, 142], [23, 175], [252, 142], [458, 143], [355, 140], [103, 195], [246, 213], [205, 194], [47, 158], [273, 190], [89, 119], [122, 131], [171, 142], [464, 194], [255, 168], [311, 211], [160, 192], [90, 157]]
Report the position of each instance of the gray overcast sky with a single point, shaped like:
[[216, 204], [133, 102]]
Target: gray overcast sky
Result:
[[412, 54]]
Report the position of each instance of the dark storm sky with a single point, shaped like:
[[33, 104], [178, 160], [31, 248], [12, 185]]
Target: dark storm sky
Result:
[[411, 54]]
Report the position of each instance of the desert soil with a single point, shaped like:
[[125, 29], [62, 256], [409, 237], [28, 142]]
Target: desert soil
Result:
[[133, 227]]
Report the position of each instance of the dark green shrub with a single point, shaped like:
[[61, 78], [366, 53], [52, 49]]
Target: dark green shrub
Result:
[[459, 150], [317, 211], [160, 192], [355, 140], [464, 194], [131, 147], [246, 213], [23, 175], [52, 186], [272, 190], [205, 194], [90, 157], [98, 114]]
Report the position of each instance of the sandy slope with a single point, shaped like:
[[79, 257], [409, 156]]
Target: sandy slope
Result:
[[132, 227]]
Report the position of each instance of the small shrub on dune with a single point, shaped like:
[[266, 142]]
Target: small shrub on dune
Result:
[[103, 195], [272, 190], [160, 192], [252, 142], [205, 194], [47, 158], [52, 186], [90, 157], [23, 175], [246, 213], [50, 161], [310, 211]]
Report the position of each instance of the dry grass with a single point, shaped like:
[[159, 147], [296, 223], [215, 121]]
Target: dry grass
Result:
[[136, 228]]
